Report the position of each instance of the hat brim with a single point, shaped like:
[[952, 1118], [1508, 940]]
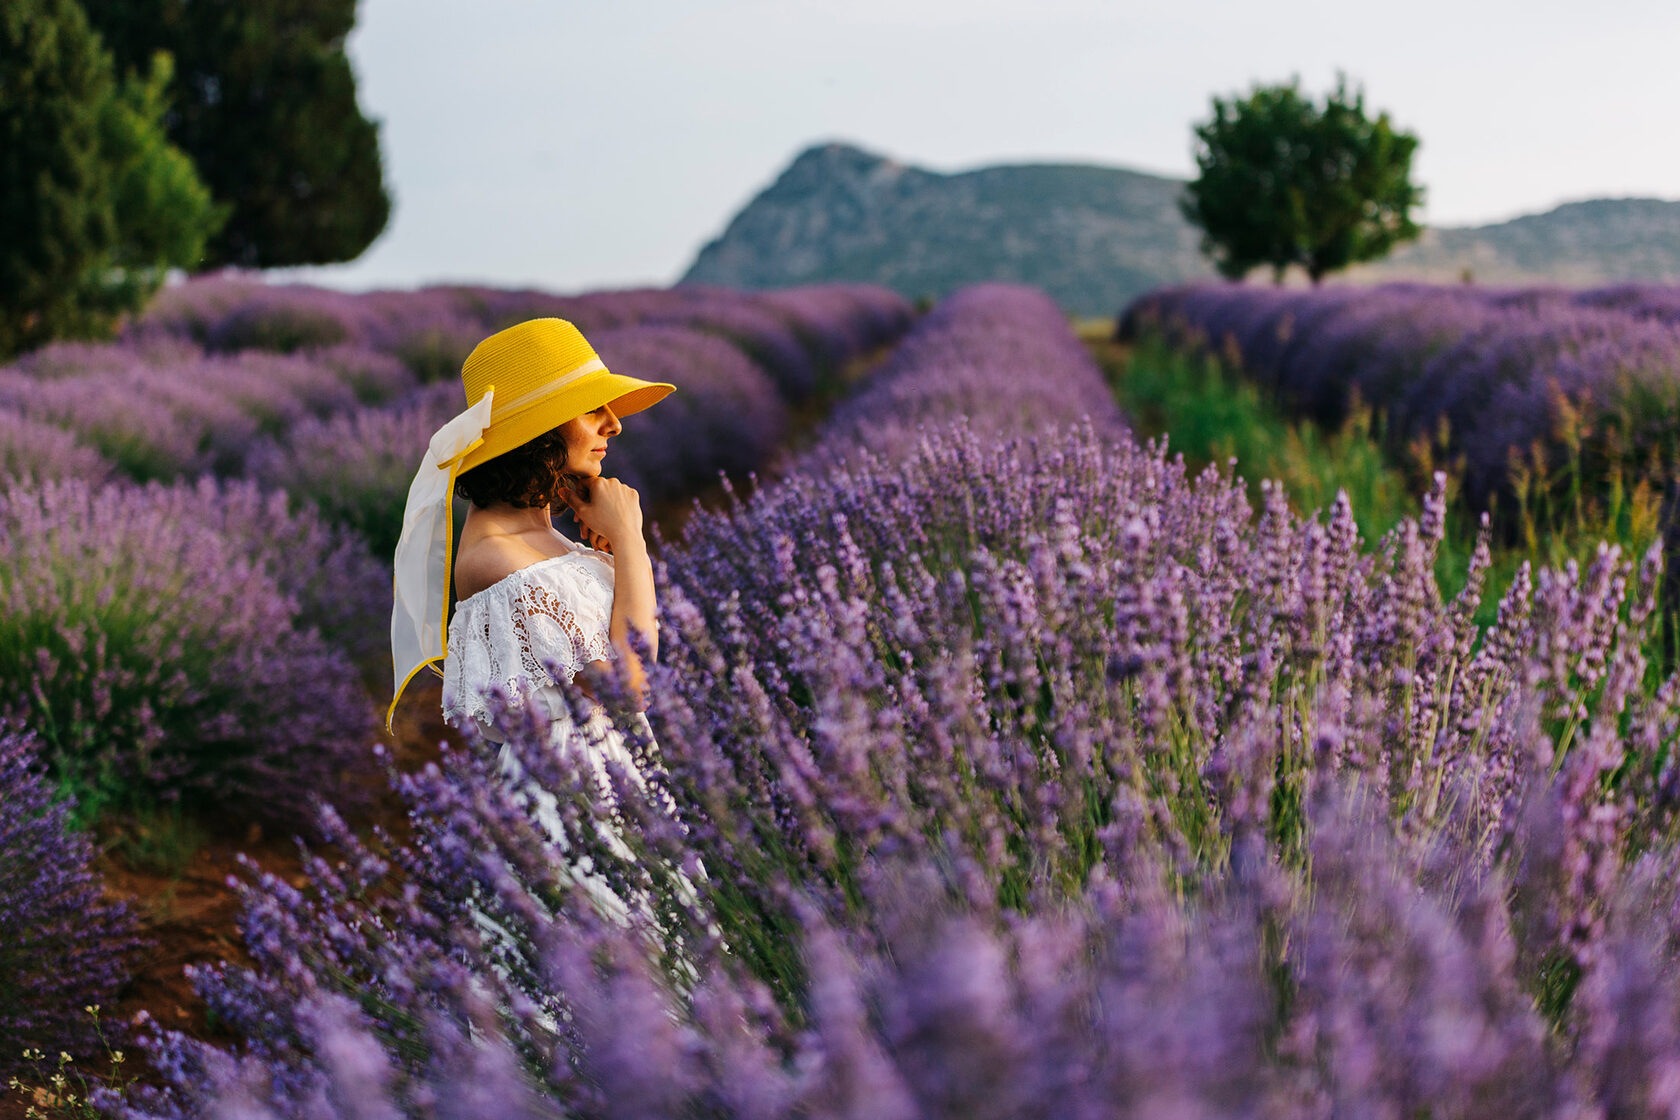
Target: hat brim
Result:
[[626, 395]]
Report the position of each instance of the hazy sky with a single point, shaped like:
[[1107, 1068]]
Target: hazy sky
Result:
[[573, 145]]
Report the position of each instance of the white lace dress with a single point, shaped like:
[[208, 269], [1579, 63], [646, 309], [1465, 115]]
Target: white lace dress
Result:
[[557, 610]]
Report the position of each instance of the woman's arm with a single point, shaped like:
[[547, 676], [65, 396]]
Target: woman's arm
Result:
[[633, 606]]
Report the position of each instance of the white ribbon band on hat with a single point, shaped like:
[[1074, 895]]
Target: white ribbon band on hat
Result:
[[421, 585], [516, 404]]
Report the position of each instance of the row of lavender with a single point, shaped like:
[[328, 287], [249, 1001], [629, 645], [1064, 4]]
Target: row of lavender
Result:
[[1016, 773], [168, 636], [236, 377], [1562, 380]]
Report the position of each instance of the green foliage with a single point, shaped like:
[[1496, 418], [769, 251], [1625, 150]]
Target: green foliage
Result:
[[1562, 509], [1282, 181], [95, 204], [56, 222], [164, 210], [265, 104], [162, 838]]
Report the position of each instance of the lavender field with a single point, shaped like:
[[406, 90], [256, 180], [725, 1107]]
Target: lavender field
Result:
[[1015, 771]]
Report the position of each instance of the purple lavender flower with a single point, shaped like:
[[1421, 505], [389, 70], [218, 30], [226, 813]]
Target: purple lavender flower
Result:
[[1527, 372], [155, 657], [32, 449], [356, 466], [376, 378], [758, 330], [337, 587], [63, 944], [843, 322], [149, 426], [178, 412]]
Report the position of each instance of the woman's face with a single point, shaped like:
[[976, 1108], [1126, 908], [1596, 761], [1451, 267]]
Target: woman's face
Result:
[[586, 439]]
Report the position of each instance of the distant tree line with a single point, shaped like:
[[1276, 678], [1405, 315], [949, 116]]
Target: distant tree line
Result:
[[139, 136]]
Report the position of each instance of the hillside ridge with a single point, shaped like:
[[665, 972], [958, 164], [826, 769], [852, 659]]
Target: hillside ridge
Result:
[[1095, 236]]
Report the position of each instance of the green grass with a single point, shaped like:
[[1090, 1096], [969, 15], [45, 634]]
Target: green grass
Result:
[[163, 839], [1210, 415]]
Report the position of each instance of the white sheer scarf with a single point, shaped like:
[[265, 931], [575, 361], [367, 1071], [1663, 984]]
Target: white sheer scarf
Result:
[[424, 555]]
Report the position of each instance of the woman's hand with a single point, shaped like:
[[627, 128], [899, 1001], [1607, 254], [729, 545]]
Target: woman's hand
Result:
[[611, 513], [587, 535]]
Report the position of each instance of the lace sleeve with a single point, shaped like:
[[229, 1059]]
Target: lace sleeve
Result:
[[504, 639], [568, 630]]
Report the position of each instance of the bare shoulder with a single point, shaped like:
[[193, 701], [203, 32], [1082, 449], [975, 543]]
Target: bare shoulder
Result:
[[489, 559]]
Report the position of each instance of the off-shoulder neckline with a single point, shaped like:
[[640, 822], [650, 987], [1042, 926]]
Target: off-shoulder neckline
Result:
[[578, 549]]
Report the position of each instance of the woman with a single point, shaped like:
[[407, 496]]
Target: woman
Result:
[[535, 607], [523, 588]]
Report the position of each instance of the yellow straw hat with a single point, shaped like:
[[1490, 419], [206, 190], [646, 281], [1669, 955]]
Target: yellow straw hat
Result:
[[520, 383], [544, 373]]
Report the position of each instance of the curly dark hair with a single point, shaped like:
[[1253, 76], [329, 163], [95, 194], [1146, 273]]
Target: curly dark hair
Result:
[[530, 475]]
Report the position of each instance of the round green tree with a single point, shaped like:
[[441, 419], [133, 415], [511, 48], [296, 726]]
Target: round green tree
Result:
[[1283, 181], [95, 204], [264, 102]]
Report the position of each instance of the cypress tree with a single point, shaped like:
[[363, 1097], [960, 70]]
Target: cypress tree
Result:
[[95, 205], [57, 221], [265, 104]]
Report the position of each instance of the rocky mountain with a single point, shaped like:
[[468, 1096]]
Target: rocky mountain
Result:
[[1094, 236]]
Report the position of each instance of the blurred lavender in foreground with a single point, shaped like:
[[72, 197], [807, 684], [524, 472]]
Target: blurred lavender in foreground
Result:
[[1382, 985]]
